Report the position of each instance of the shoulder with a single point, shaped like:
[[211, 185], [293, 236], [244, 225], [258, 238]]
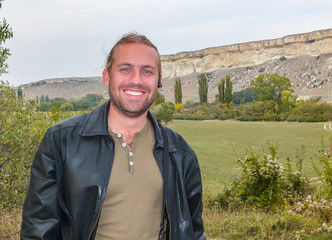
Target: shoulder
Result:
[[73, 122], [179, 143]]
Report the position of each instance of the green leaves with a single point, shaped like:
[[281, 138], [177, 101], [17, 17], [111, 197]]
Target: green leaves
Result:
[[202, 88], [21, 130], [271, 87], [178, 91], [5, 33]]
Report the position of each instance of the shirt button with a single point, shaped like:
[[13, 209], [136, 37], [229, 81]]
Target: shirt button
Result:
[[131, 154], [124, 144], [119, 135], [131, 163]]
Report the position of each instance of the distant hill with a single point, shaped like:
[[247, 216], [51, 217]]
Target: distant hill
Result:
[[306, 59]]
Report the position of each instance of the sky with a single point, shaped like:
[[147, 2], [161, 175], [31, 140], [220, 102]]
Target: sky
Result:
[[71, 38]]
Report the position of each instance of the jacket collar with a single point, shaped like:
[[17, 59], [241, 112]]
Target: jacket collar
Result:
[[96, 124]]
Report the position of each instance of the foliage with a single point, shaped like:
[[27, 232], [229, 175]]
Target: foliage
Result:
[[221, 90], [163, 112], [19, 92], [177, 91], [202, 88], [260, 110], [311, 111], [263, 183], [88, 102], [21, 130], [178, 107], [190, 104], [19, 135], [325, 160], [244, 96], [225, 90], [5, 33], [228, 89], [159, 99], [271, 87]]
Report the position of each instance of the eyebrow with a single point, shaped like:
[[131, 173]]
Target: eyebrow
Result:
[[131, 65]]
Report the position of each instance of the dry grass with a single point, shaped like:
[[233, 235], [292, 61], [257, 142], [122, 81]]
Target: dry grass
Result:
[[10, 224]]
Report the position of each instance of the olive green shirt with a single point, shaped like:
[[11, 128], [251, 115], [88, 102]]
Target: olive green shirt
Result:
[[133, 203]]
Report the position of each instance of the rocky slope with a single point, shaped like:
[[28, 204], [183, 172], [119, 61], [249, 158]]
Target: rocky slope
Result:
[[306, 59]]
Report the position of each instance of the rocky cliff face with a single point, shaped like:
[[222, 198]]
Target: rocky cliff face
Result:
[[306, 59], [247, 54]]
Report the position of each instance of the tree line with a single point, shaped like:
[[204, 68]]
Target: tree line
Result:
[[269, 97]]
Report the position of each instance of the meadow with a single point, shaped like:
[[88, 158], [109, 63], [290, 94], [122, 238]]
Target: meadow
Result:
[[219, 143]]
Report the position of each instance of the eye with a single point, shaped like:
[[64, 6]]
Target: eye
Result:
[[147, 72], [125, 70]]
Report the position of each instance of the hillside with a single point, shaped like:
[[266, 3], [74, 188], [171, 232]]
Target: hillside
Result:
[[306, 59]]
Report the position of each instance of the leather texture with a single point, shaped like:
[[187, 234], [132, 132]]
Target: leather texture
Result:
[[71, 170]]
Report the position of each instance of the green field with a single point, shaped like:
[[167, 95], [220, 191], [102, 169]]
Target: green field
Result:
[[218, 144]]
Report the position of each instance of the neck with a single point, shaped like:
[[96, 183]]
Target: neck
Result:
[[127, 126]]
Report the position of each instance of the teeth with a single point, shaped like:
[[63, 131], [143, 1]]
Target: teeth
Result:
[[134, 93]]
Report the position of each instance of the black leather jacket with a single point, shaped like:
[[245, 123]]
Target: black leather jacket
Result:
[[71, 170]]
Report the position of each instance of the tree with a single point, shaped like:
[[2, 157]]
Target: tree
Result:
[[244, 96], [159, 99], [19, 92], [202, 88], [228, 89], [163, 112], [178, 91], [221, 90], [271, 87], [5, 33], [19, 138]]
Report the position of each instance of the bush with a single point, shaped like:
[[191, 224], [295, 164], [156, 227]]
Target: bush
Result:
[[325, 160], [21, 130], [263, 182], [163, 112], [190, 117]]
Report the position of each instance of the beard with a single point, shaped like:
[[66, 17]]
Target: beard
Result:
[[130, 108]]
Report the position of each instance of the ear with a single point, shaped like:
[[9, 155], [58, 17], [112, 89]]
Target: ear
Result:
[[106, 77]]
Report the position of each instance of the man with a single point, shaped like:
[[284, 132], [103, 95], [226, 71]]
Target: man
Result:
[[116, 173]]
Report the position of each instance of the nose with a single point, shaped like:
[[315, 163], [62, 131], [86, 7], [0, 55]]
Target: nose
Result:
[[136, 77]]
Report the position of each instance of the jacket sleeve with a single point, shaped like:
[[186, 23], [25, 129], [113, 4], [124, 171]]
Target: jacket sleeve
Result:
[[41, 214], [193, 185]]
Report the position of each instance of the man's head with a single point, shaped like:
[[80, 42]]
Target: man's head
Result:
[[132, 73], [132, 38]]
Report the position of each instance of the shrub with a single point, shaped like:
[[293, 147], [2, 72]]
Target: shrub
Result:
[[325, 160], [21, 130], [262, 182], [163, 112]]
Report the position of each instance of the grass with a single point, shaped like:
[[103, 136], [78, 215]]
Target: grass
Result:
[[219, 143]]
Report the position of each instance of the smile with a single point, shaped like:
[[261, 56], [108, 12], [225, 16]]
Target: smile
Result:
[[134, 93]]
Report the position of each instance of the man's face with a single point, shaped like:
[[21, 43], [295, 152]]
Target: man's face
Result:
[[132, 79]]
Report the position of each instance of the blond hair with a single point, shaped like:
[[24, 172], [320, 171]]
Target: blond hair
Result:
[[131, 38]]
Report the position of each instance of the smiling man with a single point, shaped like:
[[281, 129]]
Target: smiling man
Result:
[[116, 173]]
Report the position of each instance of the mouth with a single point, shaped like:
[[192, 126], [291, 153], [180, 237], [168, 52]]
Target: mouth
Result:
[[133, 93]]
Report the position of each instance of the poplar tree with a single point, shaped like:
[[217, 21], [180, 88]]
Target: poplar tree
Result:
[[202, 88], [178, 91], [221, 90], [228, 89]]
